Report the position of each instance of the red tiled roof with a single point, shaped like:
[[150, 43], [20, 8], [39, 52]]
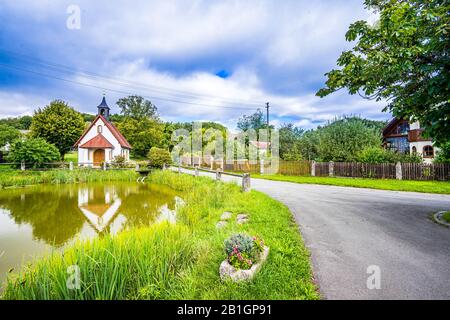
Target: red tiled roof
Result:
[[99, 141], [116, 133]]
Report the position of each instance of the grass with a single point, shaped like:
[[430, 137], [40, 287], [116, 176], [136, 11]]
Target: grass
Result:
[[17, 178], [180, 261], [442, 187], [446, 216]]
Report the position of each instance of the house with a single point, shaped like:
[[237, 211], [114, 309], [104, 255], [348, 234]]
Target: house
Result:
[[400, 135], [101, 142]]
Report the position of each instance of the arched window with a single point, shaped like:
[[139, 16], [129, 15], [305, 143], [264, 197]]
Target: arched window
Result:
[[99, 129], [428, 151], [414, 150]]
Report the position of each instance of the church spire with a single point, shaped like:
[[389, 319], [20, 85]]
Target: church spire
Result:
[[103, 108]]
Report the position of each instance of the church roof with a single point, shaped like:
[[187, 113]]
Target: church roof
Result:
[[99, 141], [116, 133], [103, 104]]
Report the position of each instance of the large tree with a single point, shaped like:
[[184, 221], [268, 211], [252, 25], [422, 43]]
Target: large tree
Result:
[[8, 134], [289, 138], [404, 59], [59, 124], [140, 124]]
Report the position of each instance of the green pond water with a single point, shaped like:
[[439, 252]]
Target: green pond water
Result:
[[37, 220]]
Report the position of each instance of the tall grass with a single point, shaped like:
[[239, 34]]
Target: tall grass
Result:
[[22, 178], [134, 264], [180, 261]]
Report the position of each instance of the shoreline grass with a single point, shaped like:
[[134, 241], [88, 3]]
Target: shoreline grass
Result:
[[187, 273], [439, 187], [446, 216], [17, 178]]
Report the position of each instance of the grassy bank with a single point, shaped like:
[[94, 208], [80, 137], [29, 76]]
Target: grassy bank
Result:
[[180, 262], [442, 187], [17, 178]]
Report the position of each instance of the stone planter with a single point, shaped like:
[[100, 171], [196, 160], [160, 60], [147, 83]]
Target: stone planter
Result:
[[227, 271]]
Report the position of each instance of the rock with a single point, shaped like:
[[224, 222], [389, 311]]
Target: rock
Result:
[[227, 271], [221, 224], [242, 218], [226, 216]]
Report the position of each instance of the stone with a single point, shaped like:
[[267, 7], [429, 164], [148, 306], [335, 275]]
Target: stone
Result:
[[221, 224], [226, 216], [242, 218], [227, 271]]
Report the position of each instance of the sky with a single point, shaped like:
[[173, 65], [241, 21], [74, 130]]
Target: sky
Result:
[[195, 60]]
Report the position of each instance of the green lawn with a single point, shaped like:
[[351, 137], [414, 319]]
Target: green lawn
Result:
[[180, 261], [446, 216], [384, 184]]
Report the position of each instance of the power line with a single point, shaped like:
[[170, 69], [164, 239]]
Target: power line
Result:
[[120, 91], [87, 74]]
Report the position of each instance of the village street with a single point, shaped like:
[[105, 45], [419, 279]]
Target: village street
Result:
[[348, 230]]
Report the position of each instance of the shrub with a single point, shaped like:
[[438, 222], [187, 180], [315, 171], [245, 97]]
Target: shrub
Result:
[[243, 251], [380, 155], [443, 156], [158, 157], [119, 162], [35, 151]]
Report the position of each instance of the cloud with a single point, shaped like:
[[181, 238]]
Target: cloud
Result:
[[271, 51]]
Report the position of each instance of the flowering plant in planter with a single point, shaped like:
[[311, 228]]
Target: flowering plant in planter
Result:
[[243, 251]]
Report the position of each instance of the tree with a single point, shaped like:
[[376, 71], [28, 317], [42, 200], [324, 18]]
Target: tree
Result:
[[137, 107], [20, 123], [444, 154], [58, 124], [35, 151], [403, 59], [254, 121], [289, 139], [140, 125], [8, 134]]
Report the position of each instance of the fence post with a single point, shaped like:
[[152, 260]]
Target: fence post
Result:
[[313, 168], [211, 159], [196, 171], [71, 166], [246, 182], [331, 168], [104, 166], [137, 166], [22, 166], [179, 167], [398, 171], [164, 166], [261, 166], [218, 175]]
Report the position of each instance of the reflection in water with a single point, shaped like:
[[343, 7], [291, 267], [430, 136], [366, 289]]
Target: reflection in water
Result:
[[38, 219]]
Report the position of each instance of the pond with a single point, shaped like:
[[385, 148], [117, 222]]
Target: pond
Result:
[[37, 220]]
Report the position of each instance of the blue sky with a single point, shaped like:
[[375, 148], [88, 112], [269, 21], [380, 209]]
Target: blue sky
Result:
[[196, 60]]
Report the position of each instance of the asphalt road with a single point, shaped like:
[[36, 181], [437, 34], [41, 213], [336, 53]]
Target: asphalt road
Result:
[[348, 230]]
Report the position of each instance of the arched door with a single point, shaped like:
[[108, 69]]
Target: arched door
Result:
[[99, 157]]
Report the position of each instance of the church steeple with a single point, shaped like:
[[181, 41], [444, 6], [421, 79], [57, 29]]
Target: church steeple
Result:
[[103, 108]]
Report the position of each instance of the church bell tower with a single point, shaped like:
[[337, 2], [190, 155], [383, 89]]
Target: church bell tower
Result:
[[103, 109]]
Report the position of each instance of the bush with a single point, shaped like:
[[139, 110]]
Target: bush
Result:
[[119, 162], [243, 251], [158, 157], [443, 156], [35, 151], [380, 155]]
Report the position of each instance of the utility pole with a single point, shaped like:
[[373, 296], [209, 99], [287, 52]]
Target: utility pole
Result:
[[267, 111]]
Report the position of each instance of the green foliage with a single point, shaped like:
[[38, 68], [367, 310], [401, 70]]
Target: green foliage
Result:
[[119, 162], [403, 59], [343, 139], [158, 157], [241, 242], [255, 121], [137, 107], [35, 151], [443, 156], [289, 139], [20, 123], [59, 124], [8, 134], [380, 155], [243, 251]]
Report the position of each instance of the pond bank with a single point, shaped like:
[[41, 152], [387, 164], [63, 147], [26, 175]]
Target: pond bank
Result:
[[180, 261]]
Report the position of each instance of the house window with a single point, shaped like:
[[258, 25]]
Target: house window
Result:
[[99, 129], [428, 151], [414, 150]]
